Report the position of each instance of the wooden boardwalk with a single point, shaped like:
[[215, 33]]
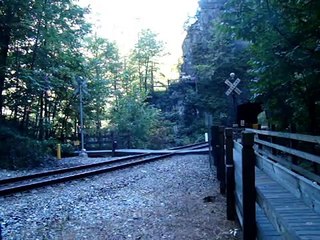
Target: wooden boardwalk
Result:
[[269, 199], [289, 215]]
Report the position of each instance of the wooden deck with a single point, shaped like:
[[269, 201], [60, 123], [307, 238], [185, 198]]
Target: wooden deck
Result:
[[280, 214], [285, 211], [287, 204]]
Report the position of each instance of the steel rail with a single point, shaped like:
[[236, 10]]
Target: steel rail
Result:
[[42, 183], [36, 183]]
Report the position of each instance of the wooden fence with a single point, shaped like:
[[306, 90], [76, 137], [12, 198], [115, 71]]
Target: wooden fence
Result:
[[271, 181], [107, 140]]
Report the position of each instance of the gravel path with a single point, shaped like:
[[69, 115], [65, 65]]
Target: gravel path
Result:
[[175, 198]]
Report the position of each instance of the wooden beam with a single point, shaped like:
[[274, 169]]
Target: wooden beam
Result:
[[248, 186], [230, 184], [293, 136], [298, 153]]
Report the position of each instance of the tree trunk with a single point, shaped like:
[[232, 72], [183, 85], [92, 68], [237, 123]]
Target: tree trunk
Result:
[[41, 127], [146, 76], [151, 79], [4, 48]]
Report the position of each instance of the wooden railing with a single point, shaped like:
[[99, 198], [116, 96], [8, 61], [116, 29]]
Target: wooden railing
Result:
[[298, 152], [271, 182]]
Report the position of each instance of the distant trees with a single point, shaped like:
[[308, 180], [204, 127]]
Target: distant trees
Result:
[[130, 113], [144, 58], [135, 118], [45, 46], [103, 73]]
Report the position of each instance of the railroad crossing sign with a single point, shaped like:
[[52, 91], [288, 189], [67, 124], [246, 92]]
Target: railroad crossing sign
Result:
[[233, 87]]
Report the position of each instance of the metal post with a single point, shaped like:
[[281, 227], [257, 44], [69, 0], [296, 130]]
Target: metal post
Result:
[[235, 108], [58, 151], [83, 152], [114, 146]]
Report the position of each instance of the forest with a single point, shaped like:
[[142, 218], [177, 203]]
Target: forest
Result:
[[48, 49]]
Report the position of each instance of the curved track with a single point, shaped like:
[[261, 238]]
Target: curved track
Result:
[[27, 182]]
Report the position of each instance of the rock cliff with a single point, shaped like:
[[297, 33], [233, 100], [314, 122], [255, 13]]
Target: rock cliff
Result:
[[199, 31]]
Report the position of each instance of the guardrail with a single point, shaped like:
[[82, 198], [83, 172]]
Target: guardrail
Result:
[[270, 180]]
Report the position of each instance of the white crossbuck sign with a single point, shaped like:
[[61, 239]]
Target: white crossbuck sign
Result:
[[233, 87]]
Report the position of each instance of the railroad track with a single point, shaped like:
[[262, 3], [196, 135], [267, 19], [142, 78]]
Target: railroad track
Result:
[[41, 179]]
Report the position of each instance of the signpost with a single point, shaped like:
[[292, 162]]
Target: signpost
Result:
[[233, 86], [81, 89], [234, 90]]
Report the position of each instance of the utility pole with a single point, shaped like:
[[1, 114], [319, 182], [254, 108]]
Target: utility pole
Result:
[[81, 89]]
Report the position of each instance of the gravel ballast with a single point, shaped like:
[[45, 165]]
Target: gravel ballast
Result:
[[175, 198]]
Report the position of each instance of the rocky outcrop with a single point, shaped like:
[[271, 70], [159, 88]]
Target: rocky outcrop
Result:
[[199, 32], [209, 79]]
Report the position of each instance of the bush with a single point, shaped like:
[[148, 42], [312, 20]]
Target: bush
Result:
[[17, 152], [67, 150]]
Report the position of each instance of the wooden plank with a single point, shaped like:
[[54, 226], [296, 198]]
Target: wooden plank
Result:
[[301, 187], [238, 200], [238, 182], [293, 136], [311, 194], [287, 180], [265, 230], [237, 146], [291, 166], [297, 153], [287, 213]]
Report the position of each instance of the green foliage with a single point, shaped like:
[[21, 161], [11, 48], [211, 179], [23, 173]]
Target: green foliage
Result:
[[144, 59], [17, 151], [180, 106], [215, 54], [39, 61], [285, 57], [103, 73], [133, 116], [67, 150]]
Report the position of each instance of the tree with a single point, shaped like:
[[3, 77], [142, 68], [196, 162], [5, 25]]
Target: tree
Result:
[[104, 71], [214, 54], [285, 64], [144, 58], [134, 117], [40, 60]]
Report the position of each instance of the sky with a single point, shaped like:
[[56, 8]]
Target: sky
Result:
[[121, 20]]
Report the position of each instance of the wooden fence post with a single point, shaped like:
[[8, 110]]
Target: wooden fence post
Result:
[[215, 143], [231, 210], [210, 143], [272, 140], [221, 168], [248, 185]]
